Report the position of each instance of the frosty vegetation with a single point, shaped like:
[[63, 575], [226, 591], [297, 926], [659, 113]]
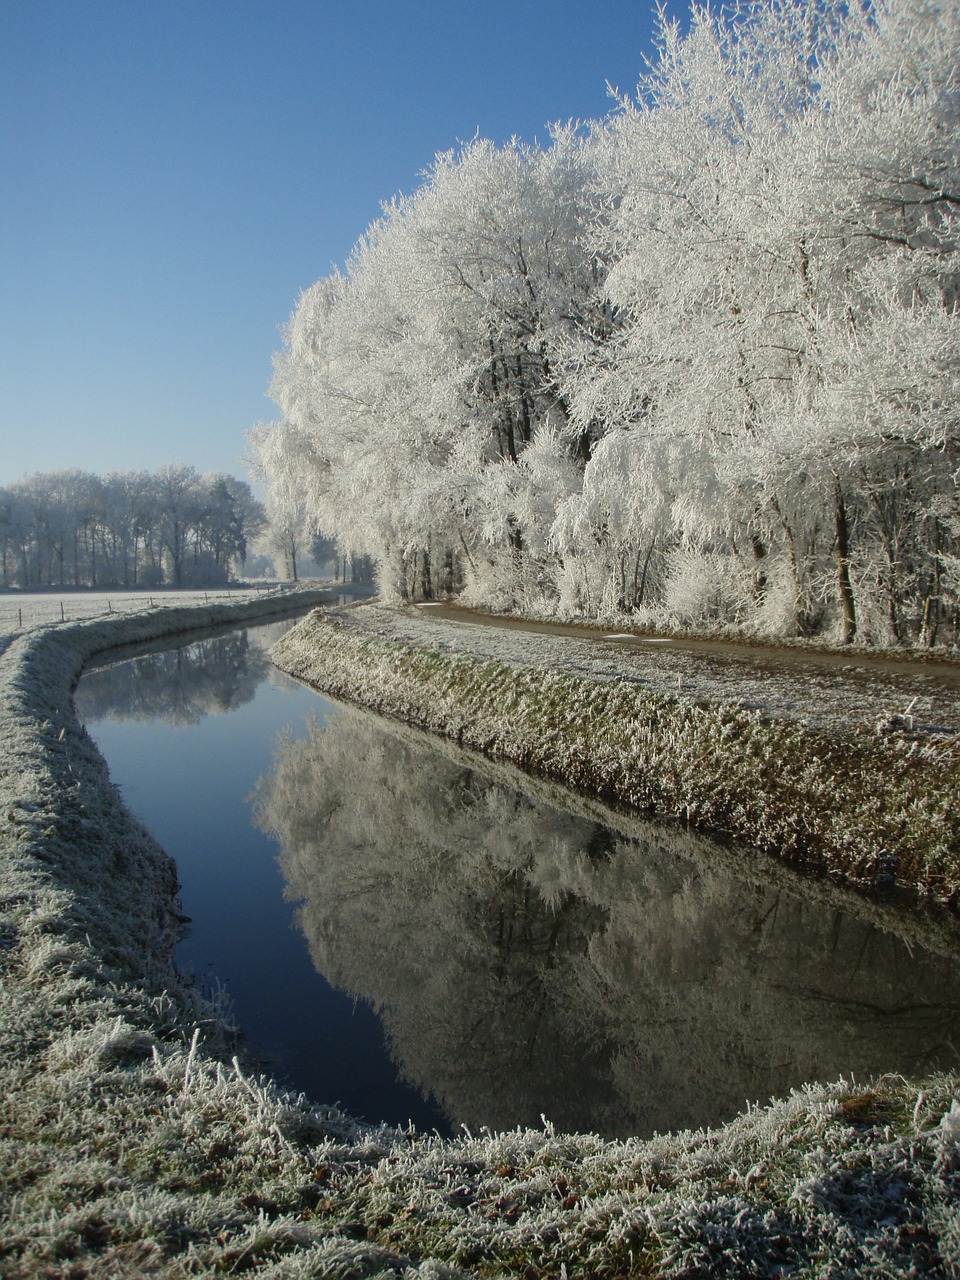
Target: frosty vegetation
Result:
[[74, 529], [873, 803], [135, 1141], [697, 363]]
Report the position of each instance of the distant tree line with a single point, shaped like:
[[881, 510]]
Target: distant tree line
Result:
[[698, 364], [133, 528]]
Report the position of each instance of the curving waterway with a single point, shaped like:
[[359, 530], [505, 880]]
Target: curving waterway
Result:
[[418, 940]]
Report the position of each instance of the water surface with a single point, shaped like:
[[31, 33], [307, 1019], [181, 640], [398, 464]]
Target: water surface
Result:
[[186, 733], [487, 957]]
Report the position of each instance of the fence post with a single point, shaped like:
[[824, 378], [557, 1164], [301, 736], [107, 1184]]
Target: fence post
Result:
[[62, 618]]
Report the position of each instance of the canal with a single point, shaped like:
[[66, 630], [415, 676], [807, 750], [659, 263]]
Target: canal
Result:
[[418, 940]]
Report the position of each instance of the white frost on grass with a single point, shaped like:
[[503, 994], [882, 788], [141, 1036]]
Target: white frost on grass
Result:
[[844, 696], [764, 757], [134, 1141], [21, 610]]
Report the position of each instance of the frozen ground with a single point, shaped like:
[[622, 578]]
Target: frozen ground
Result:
[[838, 691], [20, 610], [134, 1143]]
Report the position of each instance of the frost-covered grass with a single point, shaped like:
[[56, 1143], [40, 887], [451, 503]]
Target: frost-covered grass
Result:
[[134, 1142], [871, 807], [20, 610]]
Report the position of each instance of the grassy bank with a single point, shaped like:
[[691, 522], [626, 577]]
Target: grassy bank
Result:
[[135, 1142], [872, 809]]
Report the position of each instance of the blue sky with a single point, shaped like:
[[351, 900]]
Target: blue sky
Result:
[[176, 171]]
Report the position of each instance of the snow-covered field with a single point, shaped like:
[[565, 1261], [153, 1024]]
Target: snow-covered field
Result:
[[20, 610], [135, 1142]]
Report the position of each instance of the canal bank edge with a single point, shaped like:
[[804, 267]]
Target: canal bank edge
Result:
[[872, 811], [133, 1142]]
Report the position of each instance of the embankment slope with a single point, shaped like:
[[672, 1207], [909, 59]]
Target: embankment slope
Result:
[[813, 771]]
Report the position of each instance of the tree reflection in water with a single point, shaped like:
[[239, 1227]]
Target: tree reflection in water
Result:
[[176, 686], [527, 961]]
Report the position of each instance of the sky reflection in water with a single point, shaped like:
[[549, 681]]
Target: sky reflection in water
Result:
[[526, 961], [186, 733]]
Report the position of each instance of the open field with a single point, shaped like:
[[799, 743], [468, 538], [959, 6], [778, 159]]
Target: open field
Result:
[[23, 609]]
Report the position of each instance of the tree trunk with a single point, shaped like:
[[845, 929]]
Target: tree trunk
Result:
[[848, 615], [639, 589], [426, 580], [759, 548], [931, 603]]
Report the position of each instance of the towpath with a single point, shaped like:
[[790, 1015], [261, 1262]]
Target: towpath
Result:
[[845, 692]]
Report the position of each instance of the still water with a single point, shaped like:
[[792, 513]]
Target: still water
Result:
[[419, 941]]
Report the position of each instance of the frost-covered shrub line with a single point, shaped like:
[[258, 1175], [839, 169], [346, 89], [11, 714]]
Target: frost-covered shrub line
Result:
[[859, 806], [135, 1141]]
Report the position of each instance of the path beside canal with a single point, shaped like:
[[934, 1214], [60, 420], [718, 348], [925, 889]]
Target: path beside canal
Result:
[[847, 770]]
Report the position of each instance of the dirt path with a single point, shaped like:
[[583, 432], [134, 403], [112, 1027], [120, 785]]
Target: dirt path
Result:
[[942, 669], [841, 692]]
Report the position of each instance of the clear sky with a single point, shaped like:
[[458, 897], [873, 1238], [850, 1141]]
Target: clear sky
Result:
[[175, 172]]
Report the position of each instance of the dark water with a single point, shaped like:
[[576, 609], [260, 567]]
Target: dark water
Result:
[[186, 733], [487, 957]]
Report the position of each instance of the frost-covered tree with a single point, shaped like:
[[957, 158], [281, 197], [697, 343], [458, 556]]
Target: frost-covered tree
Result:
[[782, 266], [413, 385], [231, 518], [180, 499], [72, 528], [699, 363]]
